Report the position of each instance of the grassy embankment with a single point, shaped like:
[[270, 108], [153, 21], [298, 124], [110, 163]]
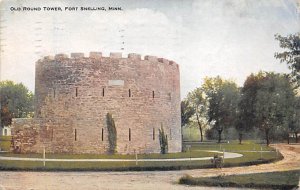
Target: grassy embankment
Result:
[[5, 142], [270, 180], [197, 150]]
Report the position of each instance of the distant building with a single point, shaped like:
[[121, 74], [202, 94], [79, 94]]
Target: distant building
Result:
[[5, 131]]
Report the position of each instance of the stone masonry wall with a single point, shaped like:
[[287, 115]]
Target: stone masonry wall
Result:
[[73, 96], [25, 135]]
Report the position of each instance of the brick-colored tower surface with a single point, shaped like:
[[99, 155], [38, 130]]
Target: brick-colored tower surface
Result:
[[74, 95]]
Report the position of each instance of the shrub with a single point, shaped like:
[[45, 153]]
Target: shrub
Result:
[[112, 133], [163, 140]]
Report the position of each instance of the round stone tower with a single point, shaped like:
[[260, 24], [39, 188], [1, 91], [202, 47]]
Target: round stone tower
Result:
[[74, 96]]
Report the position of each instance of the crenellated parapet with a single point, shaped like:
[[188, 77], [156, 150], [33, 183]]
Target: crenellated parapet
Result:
[[112, 55]]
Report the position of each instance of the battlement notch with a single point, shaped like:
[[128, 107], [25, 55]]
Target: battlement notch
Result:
[[115, 55]]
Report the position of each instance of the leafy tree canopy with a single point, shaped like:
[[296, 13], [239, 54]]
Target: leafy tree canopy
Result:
[[16, 101], [291, 54], [198, 104], [274, 98], [223, 96], [186, 112]]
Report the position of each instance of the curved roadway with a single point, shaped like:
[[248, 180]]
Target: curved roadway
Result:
[[147, 180]]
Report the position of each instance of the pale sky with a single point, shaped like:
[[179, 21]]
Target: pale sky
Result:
[[230, 38]]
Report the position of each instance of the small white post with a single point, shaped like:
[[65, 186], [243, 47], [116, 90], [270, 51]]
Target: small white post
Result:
[[190, 153], [189, 149], [44, 157], [136, 158], [223, 155]]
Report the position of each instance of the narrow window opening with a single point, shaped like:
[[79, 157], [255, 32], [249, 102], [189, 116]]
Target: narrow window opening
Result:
[[75, 134], [153, 94], [102, 135], [52, 135], [129, 93], [129, 134], [153, 137], [54, 92], [170, 95], [170, 134], [76, 91], [103, 92]]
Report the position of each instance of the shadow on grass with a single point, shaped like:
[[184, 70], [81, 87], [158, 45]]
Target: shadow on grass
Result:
[[271, 180]]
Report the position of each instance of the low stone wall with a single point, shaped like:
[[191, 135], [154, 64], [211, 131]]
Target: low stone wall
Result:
[[25, 135]]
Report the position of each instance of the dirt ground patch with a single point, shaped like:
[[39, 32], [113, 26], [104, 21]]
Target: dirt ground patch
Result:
[[291, 161]]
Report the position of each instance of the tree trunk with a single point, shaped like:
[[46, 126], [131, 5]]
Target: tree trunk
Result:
[[288, 138], [200, 126], [219, 133], [296, 137], [267, 137], [201, 134], [240, 137]]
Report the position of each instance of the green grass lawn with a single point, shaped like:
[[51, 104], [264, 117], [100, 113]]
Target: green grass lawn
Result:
[[273, 180], [102, 166], [246, 148], [197, 150], [5, 142], [231, 146], [192, 154]]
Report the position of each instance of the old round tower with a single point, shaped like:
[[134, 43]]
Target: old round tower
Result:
[[74, 96]]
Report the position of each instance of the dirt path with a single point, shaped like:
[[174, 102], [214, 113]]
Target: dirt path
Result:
[[148, 180], [291, 161]]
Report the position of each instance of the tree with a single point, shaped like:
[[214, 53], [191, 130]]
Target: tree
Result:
[[246, 110], [6, 116], [222, 96], [186, 112], [293, 119], [112, 133], [198, 105], [15, 99], [291, 55], [273, 100]]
